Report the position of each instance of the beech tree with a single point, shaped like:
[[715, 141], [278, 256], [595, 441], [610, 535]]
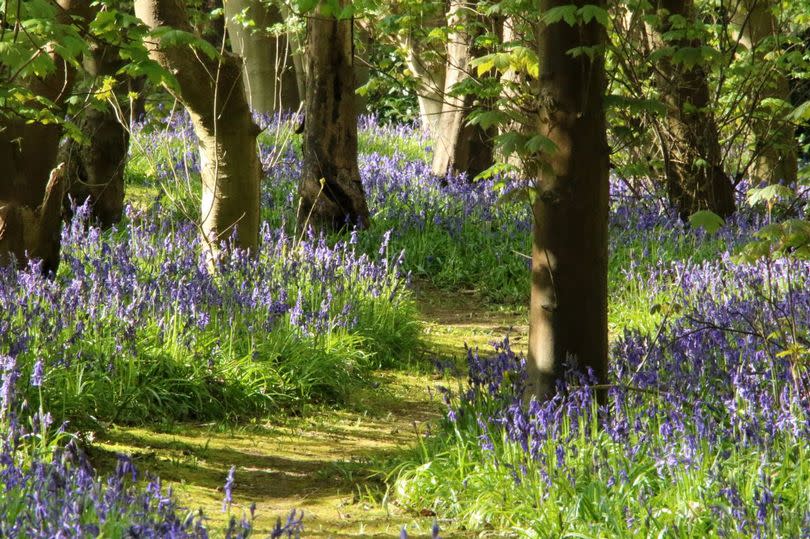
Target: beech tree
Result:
[[95, 163], [212, 89], [330, 188], [269, 71], [568, 305], [426, 64]]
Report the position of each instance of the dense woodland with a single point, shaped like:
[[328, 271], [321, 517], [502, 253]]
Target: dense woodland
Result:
[[546, 263]]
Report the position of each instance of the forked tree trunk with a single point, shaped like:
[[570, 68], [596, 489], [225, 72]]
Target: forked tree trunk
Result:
[[692, 157], [776, 149], [269, 71], [95, 165], [568, 307], [331, 192], [213, 93], [458, 146]]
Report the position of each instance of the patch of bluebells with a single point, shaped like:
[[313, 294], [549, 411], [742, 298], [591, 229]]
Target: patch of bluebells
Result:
[[144, 297], [711, 408], [441, 223]]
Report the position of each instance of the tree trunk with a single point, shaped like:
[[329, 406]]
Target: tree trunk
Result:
[[692, 157], [568, 307], [458, 146], [95, 165], [430, 77], [331, 192], [34, 233], [425, 61], [269, 72], [213, 92], [28, 154], [776, 150], [517, 91]]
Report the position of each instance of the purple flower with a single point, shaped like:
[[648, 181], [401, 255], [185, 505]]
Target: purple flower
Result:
[[38, 373], [228, 489]]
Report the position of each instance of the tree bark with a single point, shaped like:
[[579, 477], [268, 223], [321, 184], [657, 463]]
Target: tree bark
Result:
[[331, 192], [776, 149], [269, 71], [430, 77], [213, 93], [568, 306], [692, 157], [458, 146], [34, 233], [95, 165], [28, 153]]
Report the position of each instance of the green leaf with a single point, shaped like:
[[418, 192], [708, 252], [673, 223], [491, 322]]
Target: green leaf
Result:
[[170, 37], [556, 14], [488, 118], [590, 12], [801, 113], [707, 220], [768, 193], [540, 144]]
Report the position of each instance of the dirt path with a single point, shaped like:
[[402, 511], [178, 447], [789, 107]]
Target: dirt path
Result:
[[322, 463]]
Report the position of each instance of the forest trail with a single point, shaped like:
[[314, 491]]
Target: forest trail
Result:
[[322, 463]]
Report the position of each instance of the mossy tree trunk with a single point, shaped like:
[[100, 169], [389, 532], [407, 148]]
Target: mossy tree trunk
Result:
[[568, 305], [212, 91], [695, 178], [331, 192]]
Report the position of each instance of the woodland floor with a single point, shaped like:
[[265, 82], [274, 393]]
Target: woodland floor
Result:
[[324, 462]]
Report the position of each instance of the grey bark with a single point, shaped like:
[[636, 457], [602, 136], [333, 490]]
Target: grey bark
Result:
[[95, 165], [212, 91], [695, 176], [28, 151], [775, 137], [269, 70], [458, 146]]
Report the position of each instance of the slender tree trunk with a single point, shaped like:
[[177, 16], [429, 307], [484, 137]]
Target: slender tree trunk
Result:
[[776, 149], [430, 77], [269, 71], [568, 307], [95, 165], [213, 93], [516, 91], [331, 192], [692, 157], [425, 61], [459, 147]]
